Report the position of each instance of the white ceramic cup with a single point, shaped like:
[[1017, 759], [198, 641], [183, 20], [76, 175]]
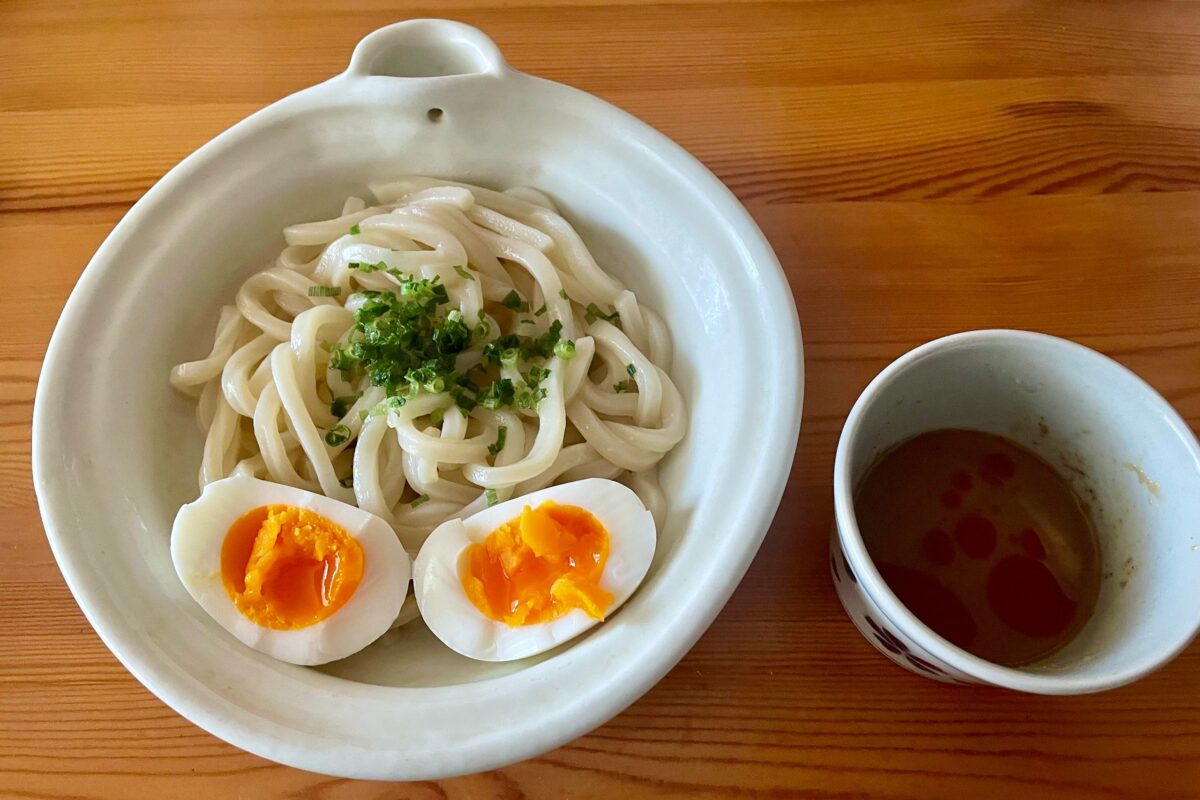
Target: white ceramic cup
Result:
[[1117, 441]]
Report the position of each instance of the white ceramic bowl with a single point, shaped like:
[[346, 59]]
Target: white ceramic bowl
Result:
[[1120, 445], [116, 451]]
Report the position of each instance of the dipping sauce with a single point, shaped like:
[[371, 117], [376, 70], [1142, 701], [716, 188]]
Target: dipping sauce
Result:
[[983, 541]]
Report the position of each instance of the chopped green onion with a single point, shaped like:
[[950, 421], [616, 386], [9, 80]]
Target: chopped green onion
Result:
[[380, 409], [513, 301], [462, 272], [492, 499], [526, 322], [436, 416], [362, 266], [623, 386], [541, 347], [341, 405], [324, 291], [355, 230], [530, 398], [500, 393], [540, 311], [343, 361], [563, 294], [565, 349], [408, 341], [419, 501], [338, 434], [463, 400], [631, 369], [501, 436], [594, 313]]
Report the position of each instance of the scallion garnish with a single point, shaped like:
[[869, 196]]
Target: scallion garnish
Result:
[[540, 311], [623, 386], [500, 393], [513, 302], [501, 436], [408, 341], [563, 294], [565, 349], [631, 369], [492, 499], [355, 230], [419, 501], [462, 272], [436, 416], [338, 434], [594, 313], [341, 405], [529, 398], [324, 291]]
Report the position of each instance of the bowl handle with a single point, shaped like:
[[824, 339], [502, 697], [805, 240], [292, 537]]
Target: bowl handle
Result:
[[426, 48]]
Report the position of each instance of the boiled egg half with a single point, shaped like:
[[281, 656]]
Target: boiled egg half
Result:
[[296, 575], [528, 574]]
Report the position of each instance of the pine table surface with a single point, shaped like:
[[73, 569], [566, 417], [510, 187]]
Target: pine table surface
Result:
[[919, 167]]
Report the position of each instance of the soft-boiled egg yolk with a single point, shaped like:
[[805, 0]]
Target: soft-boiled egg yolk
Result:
[[286, 567], [539, 566]]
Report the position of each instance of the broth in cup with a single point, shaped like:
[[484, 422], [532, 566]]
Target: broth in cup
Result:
[[983, 541]]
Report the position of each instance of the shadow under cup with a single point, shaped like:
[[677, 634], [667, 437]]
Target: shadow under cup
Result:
[[1123, 449]]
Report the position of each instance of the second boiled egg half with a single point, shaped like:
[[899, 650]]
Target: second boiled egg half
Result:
[[524, 576]]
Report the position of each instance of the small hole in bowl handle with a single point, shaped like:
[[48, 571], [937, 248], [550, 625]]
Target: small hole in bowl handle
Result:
[[426, 48]]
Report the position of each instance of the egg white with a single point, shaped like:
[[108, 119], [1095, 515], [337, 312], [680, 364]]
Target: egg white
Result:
[[454, 619], [199, 533]]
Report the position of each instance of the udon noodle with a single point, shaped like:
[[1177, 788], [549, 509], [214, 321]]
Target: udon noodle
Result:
[[276, 402]]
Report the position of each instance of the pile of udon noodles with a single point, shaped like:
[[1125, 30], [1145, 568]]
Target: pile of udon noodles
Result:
[[266, 387]]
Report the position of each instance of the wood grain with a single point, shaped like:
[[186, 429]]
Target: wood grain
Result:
[[919, 167]]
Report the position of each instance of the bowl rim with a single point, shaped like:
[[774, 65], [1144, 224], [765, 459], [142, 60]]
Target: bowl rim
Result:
[[872, 583], [190, 697]]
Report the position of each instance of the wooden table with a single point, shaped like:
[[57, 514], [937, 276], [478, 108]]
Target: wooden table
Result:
[[920, 168]]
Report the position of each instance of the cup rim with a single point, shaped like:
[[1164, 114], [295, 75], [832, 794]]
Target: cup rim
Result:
[[881, 594]]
